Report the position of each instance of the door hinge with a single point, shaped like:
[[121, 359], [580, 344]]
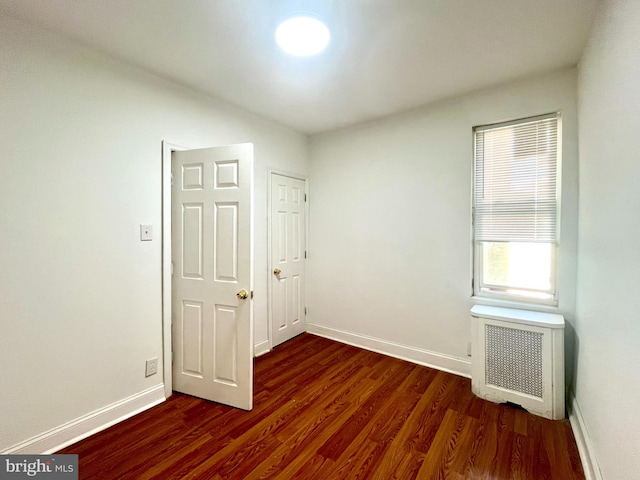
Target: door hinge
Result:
[[251, 294], [305, 254], [305, 310], [171, 268], [172, 179], [305, 197]]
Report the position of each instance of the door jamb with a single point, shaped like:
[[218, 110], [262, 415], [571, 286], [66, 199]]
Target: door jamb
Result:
[[305, 179], [167, 362]]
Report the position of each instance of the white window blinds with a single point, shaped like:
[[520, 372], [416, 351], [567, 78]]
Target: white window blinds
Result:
[[515, 197]]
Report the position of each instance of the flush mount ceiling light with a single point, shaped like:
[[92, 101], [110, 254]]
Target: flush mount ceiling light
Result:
[[302, 36]]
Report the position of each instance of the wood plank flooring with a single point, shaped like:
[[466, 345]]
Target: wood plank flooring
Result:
[[324, 410]]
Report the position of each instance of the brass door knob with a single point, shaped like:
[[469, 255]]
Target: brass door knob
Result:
[[277, 271], [242, 294]]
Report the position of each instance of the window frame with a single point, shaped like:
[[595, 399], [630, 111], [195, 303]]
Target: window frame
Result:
[[487, 291]]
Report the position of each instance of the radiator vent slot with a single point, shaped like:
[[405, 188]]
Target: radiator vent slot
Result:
[[514, 360]]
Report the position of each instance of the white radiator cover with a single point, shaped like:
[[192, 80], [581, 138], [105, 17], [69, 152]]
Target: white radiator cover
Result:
[[518, 357]]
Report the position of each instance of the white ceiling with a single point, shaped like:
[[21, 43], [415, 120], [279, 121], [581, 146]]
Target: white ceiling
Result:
[[385, 55]]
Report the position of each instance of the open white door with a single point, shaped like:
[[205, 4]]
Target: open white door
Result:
[[288, 243], [212, 224]]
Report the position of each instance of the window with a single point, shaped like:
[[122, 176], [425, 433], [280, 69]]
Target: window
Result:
[[515, 209]]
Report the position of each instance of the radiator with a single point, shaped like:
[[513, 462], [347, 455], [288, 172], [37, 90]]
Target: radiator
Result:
[[518, 357]]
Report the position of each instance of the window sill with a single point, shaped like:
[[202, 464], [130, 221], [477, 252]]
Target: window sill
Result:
[[499, 302]]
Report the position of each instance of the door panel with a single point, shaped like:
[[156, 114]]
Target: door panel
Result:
[[192, 266], [212, 256], [192, 338], [288, 243]]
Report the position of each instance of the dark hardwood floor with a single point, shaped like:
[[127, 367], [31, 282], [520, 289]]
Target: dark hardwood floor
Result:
[[324, 410]]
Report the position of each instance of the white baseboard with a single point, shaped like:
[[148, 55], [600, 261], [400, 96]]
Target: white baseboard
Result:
[[261, 348], [439, 361], [94, 422], [581, 434]]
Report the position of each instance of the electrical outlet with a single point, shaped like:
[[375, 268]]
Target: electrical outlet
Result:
[[151, 367]]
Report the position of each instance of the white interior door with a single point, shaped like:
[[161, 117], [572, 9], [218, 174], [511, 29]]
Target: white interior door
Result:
[[288, 243], [212, 324]]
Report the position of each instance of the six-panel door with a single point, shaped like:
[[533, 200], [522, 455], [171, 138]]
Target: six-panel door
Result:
[[212, 331], [287, 258]]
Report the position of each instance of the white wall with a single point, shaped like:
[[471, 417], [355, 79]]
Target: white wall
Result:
[[80, 301], [608, 289], [390, 258]]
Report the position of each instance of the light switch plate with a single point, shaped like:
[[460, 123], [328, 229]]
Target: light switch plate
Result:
[[146, 233]]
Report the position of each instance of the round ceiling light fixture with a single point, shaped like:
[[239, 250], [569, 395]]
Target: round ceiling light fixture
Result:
[[302, 36]]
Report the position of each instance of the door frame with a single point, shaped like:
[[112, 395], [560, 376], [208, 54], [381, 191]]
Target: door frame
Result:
[[167, 362], [270, 172]]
